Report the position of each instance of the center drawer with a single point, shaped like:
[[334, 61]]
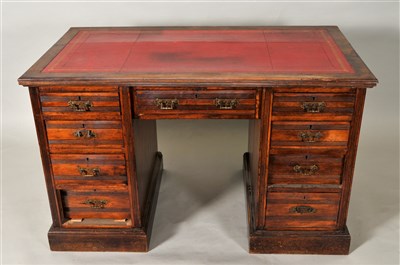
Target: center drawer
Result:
[[188, 103]]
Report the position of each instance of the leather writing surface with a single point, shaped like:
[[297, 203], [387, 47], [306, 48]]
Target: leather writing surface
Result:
[[201, 51]]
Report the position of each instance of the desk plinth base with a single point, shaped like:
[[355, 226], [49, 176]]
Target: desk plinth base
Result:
[[290, 242], [115, 239]]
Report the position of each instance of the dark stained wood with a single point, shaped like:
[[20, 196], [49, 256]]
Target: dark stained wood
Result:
[[301, 242], [145, 152], [350, 159], [104, 105], [290, 133], [254, 136], [282, 169], [191, 104], [68, 165], [100, 156], [265, 140], [249, 188], [149, 210], [75, 239], [116, 204], [54, 200], [127, 128], [281, 214], [335, 242], [116, 238]]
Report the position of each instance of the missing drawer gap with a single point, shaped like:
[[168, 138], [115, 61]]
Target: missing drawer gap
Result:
[[97, 222]]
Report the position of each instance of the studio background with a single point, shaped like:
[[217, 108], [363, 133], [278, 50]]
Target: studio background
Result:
[[200, 216]]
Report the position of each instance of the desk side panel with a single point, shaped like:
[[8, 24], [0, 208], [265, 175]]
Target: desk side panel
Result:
[[259, 134], [145, 140], [53, 196]]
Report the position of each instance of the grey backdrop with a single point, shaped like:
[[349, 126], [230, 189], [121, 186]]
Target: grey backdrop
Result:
[[200, 217]]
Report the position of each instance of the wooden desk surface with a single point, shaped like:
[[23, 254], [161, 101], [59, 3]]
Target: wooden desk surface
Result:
[[252, 55]]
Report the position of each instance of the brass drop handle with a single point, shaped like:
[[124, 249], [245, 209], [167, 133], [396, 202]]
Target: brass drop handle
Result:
[[226, 103], [86, 134], [95, 203], [313, 107], [79, 105], [310, 137], [302, 209], [306, 170], [166, 104], [88, 172]]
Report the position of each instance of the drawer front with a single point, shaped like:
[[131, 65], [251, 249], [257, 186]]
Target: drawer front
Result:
[[188, 103], [95, 204], [305, 169], [80, 172], [313, 106], [66, 135], [80, 105], [286, 211], [310, 133]]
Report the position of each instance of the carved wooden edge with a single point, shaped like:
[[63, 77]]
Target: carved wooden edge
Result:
[[290, 242], [54, 198], [112, 239]]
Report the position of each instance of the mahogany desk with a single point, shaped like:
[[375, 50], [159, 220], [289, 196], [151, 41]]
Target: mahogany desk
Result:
[[97, 93]]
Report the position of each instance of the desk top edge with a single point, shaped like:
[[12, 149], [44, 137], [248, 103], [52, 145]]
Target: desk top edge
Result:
[[362, 76]]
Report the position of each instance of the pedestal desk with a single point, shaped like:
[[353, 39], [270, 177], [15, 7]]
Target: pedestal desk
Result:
[[97, 93]]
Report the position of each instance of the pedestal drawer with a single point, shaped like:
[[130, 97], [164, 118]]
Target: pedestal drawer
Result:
[[196, 103], [310, 133], [300, 210], [71, 105], [81, 172], [305, 169], [95, 204], [313, 106], [84, 136]]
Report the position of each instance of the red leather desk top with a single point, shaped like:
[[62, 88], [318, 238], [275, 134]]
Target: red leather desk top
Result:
[[201, 51]]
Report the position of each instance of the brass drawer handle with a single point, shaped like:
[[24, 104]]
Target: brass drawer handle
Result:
[[226, 103], [166, 104], [302, 209], [313, 107], [310, 137], [84, 134], [80, 106], [95, 203], [88, 172], [306, 170]]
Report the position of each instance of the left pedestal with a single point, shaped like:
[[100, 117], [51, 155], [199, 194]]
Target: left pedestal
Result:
[[102, 168]]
